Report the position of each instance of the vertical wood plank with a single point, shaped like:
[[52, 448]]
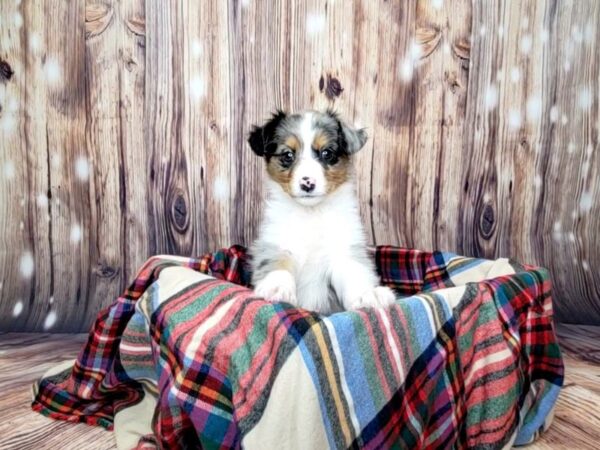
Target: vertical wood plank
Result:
[[169, 204], [133, 173], [394, 127], [104, 147], [26, 238]]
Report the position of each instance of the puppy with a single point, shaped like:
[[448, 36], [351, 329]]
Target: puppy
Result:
[[311, 250]]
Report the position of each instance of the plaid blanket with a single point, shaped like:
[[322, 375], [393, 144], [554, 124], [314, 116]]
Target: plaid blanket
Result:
[[467, 358]]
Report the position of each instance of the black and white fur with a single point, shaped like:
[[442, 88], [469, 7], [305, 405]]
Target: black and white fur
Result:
[[311, 250]]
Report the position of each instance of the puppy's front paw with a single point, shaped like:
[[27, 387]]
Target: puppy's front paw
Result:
[[379, 297], [278, 285]]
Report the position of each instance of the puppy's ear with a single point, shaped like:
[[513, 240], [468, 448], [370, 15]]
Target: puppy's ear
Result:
[[355, 138], [261, 139], [351, 139]]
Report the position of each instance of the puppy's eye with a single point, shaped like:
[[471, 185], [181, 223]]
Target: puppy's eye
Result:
[[326, 155], [287, 157]]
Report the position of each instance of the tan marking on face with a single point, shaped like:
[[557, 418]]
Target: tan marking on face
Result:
[[293, 143], [338, 174], [280, 174], [320, 141]]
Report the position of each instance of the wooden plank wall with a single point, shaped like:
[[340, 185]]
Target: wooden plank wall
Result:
[[123, 123]]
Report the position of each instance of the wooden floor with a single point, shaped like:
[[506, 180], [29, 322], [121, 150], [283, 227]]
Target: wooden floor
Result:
[[24, 357]]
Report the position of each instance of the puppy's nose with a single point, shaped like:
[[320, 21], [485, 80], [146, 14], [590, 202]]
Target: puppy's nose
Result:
[[307, 184]]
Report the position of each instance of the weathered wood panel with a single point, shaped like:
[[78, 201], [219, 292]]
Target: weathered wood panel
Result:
[[123, 125]]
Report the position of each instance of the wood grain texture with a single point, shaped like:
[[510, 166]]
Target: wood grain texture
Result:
[[123, 134], [26, 356]]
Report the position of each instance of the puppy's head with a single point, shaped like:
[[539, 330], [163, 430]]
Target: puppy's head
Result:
[[307, 154]]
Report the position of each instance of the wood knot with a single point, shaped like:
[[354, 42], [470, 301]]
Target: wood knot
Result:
[[428, 39], [137, 25], [97, 18], [462, 48], [332, 87], [179, 213], [6, 71], [105, 271], [487, 222]]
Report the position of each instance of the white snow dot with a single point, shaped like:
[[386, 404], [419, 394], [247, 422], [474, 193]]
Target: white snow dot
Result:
[[515, 74], [437, 4], [574, 214], [196, 48], [221, 188], [482, 30], [514, 119], [447, 50], [55, 160], [35, 42], [82, 168], [585, 203], [491, 97], [53, 71], [526, 44], [585, 98], [585, 168], [572, 236], [557, 226], [315, 23], [589, 33], [42, 200], [18, 309], [50, 320], [500, 31], [567, 65], [589, 150], [57, 202], [554, 113], [22, 202], [51, 299], [415, 51], [574, 260], [406, 69], [48, 218], [564, 119], [9, 170], [537, 181], [544, 35], [245, 3], [18, 19], [576, 34], [570, 148], [75, 233], [557, 236], [197, 87], [12, 105], [21, 226], [8, 123], [534, 108], [585, 265], [26, 265]]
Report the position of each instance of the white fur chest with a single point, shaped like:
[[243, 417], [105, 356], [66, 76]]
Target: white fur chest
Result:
[[314, 235]]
